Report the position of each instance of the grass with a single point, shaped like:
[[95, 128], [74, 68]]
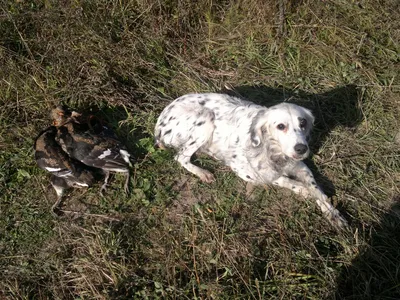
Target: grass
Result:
[[175, 237]]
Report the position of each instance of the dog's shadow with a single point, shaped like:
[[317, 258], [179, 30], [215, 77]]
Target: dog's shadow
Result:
[[374, 273], [337, 107]]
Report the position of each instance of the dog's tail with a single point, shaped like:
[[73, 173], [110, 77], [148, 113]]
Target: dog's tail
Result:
[[159, 145]]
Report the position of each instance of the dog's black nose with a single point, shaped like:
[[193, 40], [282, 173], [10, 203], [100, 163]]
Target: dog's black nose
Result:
[[300, 148]]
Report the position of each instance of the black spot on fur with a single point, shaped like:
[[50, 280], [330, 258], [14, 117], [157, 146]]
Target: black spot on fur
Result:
[[171, 118], [237, 140], [192, 143], [234, 156], [202, 102], [248, 177], [313, 183], [162, 124], [200, 123], [295, 130], [168, 132], [293, 187]]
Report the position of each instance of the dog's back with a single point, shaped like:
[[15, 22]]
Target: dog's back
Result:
[[261, 145], [181, 117]]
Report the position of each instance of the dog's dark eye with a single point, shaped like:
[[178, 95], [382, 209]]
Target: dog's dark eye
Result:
[[281, 126], [303, 123]]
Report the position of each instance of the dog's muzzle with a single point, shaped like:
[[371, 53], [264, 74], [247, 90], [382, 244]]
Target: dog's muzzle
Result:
[[300, 151]]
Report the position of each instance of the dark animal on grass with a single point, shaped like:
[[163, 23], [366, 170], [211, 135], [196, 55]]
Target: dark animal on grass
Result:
[[262, 145], [92, 145], [66, 172]]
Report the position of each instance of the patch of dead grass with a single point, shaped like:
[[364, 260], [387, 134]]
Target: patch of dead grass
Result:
[[175, 237]]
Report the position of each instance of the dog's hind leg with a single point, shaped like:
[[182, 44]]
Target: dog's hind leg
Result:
[[183, 158], [201, 134]]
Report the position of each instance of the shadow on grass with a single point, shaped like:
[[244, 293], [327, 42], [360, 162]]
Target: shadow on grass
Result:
[[375, 272], [114, 117], [338, 107]]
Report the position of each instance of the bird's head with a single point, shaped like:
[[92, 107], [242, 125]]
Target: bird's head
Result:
[[59, 115]]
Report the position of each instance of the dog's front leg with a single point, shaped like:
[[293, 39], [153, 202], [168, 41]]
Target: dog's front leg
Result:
[[291, 184], [303, 174]]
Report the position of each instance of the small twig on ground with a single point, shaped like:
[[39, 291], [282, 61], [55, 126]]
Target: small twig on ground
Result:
[[282, 18], [83, 214]]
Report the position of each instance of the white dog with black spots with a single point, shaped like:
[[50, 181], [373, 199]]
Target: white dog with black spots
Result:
[[262, 145]]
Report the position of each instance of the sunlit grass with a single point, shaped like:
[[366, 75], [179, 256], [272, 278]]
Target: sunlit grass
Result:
[[174, 236]]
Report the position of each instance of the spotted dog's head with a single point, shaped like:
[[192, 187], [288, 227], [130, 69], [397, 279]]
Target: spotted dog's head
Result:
[[284, 128]]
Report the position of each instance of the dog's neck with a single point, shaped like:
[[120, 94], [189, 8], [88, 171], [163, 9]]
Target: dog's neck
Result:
[[279, 160], [270, 154]]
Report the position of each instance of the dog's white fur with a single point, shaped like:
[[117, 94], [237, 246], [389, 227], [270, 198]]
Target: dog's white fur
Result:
[[258, 143]]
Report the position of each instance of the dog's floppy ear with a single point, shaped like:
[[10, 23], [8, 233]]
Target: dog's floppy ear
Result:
[[309, 116], [257, 128]]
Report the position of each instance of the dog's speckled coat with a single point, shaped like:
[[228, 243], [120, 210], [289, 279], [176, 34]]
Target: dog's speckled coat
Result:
[[261, 145]]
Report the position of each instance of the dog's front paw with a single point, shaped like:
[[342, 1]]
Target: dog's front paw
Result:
[[330, 212], [336, 218], [206, 176]]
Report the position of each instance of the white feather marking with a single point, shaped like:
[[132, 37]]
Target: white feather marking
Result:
[[119, 170], [105, 154], [65, 173], [53, 169], [59, 190], [81, 184], [125, 155]]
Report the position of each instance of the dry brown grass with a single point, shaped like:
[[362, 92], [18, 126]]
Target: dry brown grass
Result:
[[175, 237]]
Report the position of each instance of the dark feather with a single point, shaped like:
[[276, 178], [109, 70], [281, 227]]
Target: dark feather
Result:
[[50, 157], [95, 150]]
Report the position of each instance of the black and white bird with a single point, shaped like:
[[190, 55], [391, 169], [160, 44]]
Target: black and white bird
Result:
[[66, 171], [92, 144]]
